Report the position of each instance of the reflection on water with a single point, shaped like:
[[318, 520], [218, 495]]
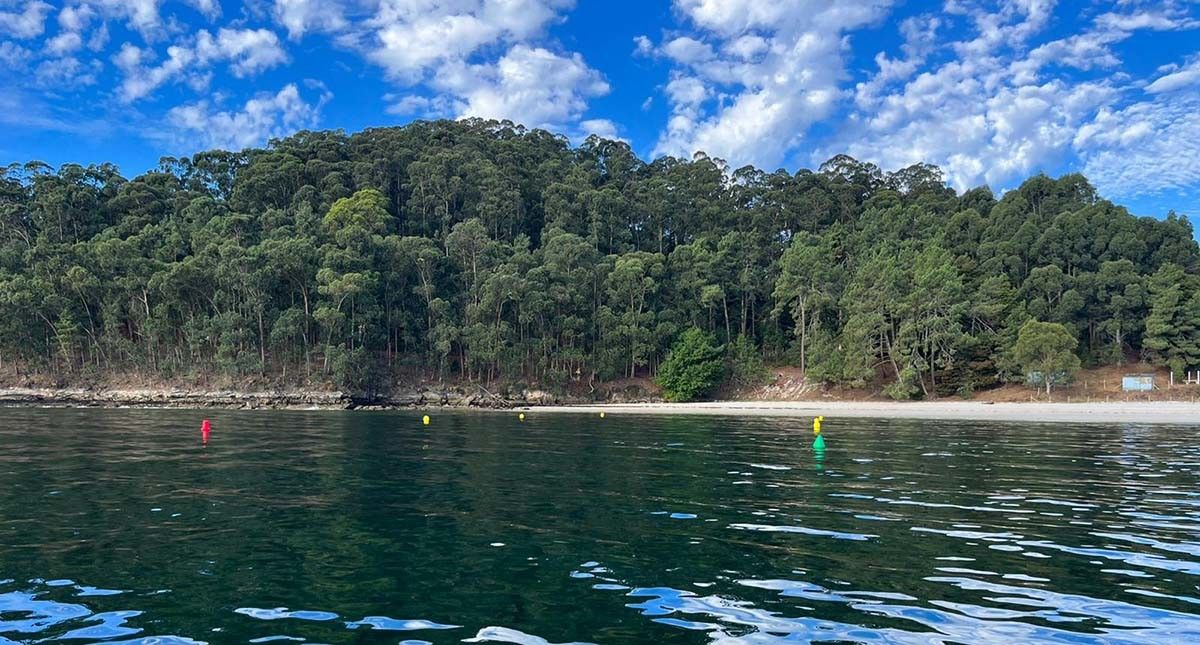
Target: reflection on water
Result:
[[119, 527]]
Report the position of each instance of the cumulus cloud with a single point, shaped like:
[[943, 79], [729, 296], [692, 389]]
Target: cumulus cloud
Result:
[[64, 43], [67, 71], [529, 85], [211, 9], [408, 38], [247, 51], [14, 56], [27, 21], [756, 74], [258, 120], [140, 15], [1178, 79], [1147, 148], [1002, 106], [602, 128], [447, 47], [302, 16]]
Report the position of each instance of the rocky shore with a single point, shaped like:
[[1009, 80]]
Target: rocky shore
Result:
[[457, 396]]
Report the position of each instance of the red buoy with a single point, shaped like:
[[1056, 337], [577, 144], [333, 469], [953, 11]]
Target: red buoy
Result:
[[205, 430]]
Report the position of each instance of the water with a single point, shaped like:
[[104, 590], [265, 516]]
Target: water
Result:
[[329, 527]]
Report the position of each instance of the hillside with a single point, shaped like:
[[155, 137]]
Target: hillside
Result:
[[481, 252]]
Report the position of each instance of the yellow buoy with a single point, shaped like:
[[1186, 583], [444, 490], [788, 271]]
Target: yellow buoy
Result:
[[601, 415], [817, 425], [425, 420], [521, 416]]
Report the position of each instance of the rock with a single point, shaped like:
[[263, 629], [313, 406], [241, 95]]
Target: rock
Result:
[[539, 397]]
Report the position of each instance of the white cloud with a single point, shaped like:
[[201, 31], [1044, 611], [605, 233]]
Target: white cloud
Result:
[[302, 16], [13, 55], [602, 128], [261, 118], [140, 15], [1003, 107], [688, 51], [141, 80], [28, 22], [76, 18], [449, 48], [1147, 148], [67, 72], [411, 104], [409, 38], [756, 74], [64, 43], [1187, 77], [643, 46], [248, 51], [211, 9], [529, 85]]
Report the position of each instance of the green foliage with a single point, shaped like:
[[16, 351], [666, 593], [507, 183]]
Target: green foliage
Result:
[[483, 251], [1048, 350], [1173, 327], [745, 362], [693, 367]]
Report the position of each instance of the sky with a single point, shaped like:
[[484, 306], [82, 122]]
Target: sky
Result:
[[990, 91]]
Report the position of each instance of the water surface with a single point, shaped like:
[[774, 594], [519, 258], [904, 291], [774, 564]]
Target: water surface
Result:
[[331, 527]]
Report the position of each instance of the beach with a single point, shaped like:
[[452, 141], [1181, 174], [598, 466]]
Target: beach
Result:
[[1158, 412]]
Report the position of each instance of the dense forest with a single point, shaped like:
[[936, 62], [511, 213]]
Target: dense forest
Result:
[[482, 251]]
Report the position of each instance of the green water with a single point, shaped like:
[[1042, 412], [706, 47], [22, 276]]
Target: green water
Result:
[[330, 527]]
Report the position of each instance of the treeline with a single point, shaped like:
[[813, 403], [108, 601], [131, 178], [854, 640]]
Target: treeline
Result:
[[480, 250]]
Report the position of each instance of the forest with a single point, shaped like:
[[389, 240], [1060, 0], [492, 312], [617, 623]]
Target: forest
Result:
[[481, 251]]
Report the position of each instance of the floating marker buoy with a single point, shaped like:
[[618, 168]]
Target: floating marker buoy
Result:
[[521, 416], [425, 420], [819, 444], [817, 425], [205, 430], [601, 415]]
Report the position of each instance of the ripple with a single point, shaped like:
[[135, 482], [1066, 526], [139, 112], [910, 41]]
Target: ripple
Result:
[[1023, 533], [398, 625], [281, 613], [804, 530], [506, 635]]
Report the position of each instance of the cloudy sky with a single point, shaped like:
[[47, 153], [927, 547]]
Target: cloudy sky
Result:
[[990, 91]]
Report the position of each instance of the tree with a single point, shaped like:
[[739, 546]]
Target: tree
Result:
[[692, 369], [1048, 350], [482, 249], [745, 363], [931, 336], [1173, 325], [808, 276]]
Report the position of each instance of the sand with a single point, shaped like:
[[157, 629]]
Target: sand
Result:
[[1169, 412]]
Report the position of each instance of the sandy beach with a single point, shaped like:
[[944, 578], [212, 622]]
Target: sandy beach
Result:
[[1165, 412]]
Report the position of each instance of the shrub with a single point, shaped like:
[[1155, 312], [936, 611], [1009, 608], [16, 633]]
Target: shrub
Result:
[[693, 368]]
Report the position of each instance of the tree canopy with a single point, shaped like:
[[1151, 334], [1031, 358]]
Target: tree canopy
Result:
[[480, 250], [1046, 352]]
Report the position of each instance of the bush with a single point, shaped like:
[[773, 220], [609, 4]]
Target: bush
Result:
[[693, 368]]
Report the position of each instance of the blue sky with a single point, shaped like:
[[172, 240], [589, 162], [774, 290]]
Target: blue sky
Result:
[[989, 91]]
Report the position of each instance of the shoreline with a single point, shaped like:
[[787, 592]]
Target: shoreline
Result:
[[279, 399], [1147, 412]]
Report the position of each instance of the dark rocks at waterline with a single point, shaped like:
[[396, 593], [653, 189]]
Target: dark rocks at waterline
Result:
[[456, 397]]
